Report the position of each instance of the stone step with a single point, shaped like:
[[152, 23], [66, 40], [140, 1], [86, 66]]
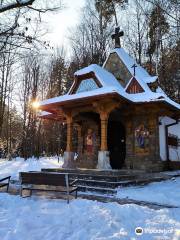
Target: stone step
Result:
[[141, 182], [101, 190], [94, 175], [104, 184], [95, 172], [94, 184], [102, 177]]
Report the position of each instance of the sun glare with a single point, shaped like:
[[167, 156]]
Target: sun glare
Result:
[[35, 104]]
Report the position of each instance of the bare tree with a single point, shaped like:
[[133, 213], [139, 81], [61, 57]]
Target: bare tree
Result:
[[31, 80], [17, 26], [91, 38]]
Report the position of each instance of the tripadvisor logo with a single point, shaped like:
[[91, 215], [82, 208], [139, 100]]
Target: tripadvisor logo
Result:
[[139, 231]]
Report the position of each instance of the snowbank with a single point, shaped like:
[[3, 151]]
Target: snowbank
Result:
[[32, 164], [166, 192]]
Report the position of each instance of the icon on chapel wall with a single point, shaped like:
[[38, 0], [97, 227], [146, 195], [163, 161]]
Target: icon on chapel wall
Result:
[[89, 141], [141, 140]]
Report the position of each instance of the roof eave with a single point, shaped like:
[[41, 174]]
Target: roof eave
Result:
[[49, 107]]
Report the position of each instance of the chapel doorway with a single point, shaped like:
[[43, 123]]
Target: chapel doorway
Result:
[[116, 143]]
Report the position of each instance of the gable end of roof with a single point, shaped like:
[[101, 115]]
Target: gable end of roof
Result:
[[134, 86]]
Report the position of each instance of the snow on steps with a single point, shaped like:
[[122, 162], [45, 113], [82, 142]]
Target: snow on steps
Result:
[[106, 182], [14, 190]]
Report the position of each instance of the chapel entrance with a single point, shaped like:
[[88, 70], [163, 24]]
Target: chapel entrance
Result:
[[116, 143]]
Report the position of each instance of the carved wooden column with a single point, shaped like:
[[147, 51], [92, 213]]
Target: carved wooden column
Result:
[[104, 123], [103, 155], [80, 142], [69, 133], [104, 108], [154, 137], [129, 141], [69, 154]]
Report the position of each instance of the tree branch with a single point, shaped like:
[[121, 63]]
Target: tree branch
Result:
[[44, 10], [16, 4], [166, 12]]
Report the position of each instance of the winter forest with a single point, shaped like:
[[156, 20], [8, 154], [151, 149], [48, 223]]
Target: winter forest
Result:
[[32, 69]]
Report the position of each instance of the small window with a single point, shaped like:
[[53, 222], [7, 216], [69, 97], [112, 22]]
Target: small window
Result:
[[87, 85], [173, 140]]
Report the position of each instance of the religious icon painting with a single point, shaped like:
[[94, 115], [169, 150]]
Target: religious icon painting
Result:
[[90, 139], [141, 140]]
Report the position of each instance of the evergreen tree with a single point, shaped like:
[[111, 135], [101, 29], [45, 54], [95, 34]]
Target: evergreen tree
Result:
[[158, 27]]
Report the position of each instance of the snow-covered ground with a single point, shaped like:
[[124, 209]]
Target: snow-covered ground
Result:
[[38, 218], [166, 192], [17, 165], [35, 219]]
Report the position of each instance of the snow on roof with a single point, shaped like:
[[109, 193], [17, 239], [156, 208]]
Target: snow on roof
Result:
[[138, 97], [69, 97], [150, 79], [171, 102], [144, 97], [152, 97], [106, 78], [141, 74], [111, 85], [44, 113], [143, 78], [167, 99], [108, 81]]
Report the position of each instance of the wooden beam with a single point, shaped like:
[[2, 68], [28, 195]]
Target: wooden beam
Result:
[[69, 121], [104, 123]]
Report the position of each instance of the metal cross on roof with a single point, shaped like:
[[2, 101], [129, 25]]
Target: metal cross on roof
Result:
[[116, 36], [134, 66]]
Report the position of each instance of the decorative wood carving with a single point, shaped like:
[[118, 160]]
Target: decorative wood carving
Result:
[[69, 121], [134, 87], [104, 109]]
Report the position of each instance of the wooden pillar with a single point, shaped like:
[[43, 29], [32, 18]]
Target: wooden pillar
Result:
[[104, 109], [154, 136], [69, 133], [104, 123], [79, 133], [129, 141]]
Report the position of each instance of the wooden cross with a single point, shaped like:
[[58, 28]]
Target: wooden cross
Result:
[[134, 66], [116, 36]]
